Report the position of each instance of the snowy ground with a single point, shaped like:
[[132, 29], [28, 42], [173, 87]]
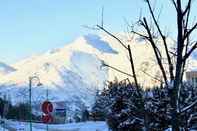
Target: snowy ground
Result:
[[84, 126], [3, 129]]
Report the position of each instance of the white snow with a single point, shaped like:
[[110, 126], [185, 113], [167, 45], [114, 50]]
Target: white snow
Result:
[[83, 126], [97, 42], [3, 129]]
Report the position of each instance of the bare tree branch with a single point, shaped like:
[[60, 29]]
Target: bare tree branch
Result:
[[151, 76], [89, 27], [129, 51], [189, 107], [155, 50], [116, 69], [190, 51], [174, 3], [187, 7], [173, 53], [132, 66], [103, 29], [171, 68], [190, 31], [139, 34], [187, 19], [184, 61]]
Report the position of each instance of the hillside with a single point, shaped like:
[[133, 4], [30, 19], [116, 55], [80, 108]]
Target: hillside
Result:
[[74, 72]]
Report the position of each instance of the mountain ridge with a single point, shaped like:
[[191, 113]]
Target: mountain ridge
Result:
[[75, 71]]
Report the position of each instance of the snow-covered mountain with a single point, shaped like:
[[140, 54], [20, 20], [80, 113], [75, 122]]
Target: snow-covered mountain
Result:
[[74, 73], [5, 69]]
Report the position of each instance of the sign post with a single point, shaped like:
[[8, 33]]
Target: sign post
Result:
[[47, 109], [47, 94]]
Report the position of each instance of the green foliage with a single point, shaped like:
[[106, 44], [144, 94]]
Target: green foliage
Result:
[[3, 105], [19, 112]]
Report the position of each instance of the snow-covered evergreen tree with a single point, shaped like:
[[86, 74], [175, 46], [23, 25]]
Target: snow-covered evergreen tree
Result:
[[126, 109]]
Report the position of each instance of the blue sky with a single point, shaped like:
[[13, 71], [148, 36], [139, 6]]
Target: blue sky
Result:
[[34, 26]]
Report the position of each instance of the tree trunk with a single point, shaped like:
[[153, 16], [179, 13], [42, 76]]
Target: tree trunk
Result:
[[174, 93]]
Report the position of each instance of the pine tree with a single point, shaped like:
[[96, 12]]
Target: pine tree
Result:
[[125, 109]]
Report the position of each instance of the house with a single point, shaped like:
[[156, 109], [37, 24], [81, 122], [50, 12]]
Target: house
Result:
[[60, 111], [191, 76]]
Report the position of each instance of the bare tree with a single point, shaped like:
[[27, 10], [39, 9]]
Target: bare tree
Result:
[[184, 48], [129, 52], [172, 76]]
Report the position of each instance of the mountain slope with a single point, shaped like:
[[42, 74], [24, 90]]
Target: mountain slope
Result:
[[74, 73], [71, 74], [5, 69]]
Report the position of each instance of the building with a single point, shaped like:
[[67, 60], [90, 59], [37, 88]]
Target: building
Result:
[[59, 112], [191, 76]]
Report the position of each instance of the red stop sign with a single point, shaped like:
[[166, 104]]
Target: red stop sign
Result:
[[47, 107], [47, 118]]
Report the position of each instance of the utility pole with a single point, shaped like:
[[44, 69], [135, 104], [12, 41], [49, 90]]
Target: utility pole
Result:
[[30, 110]]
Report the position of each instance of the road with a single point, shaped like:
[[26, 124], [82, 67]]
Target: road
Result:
[[35, 128], [12, 125], [7, 127]]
